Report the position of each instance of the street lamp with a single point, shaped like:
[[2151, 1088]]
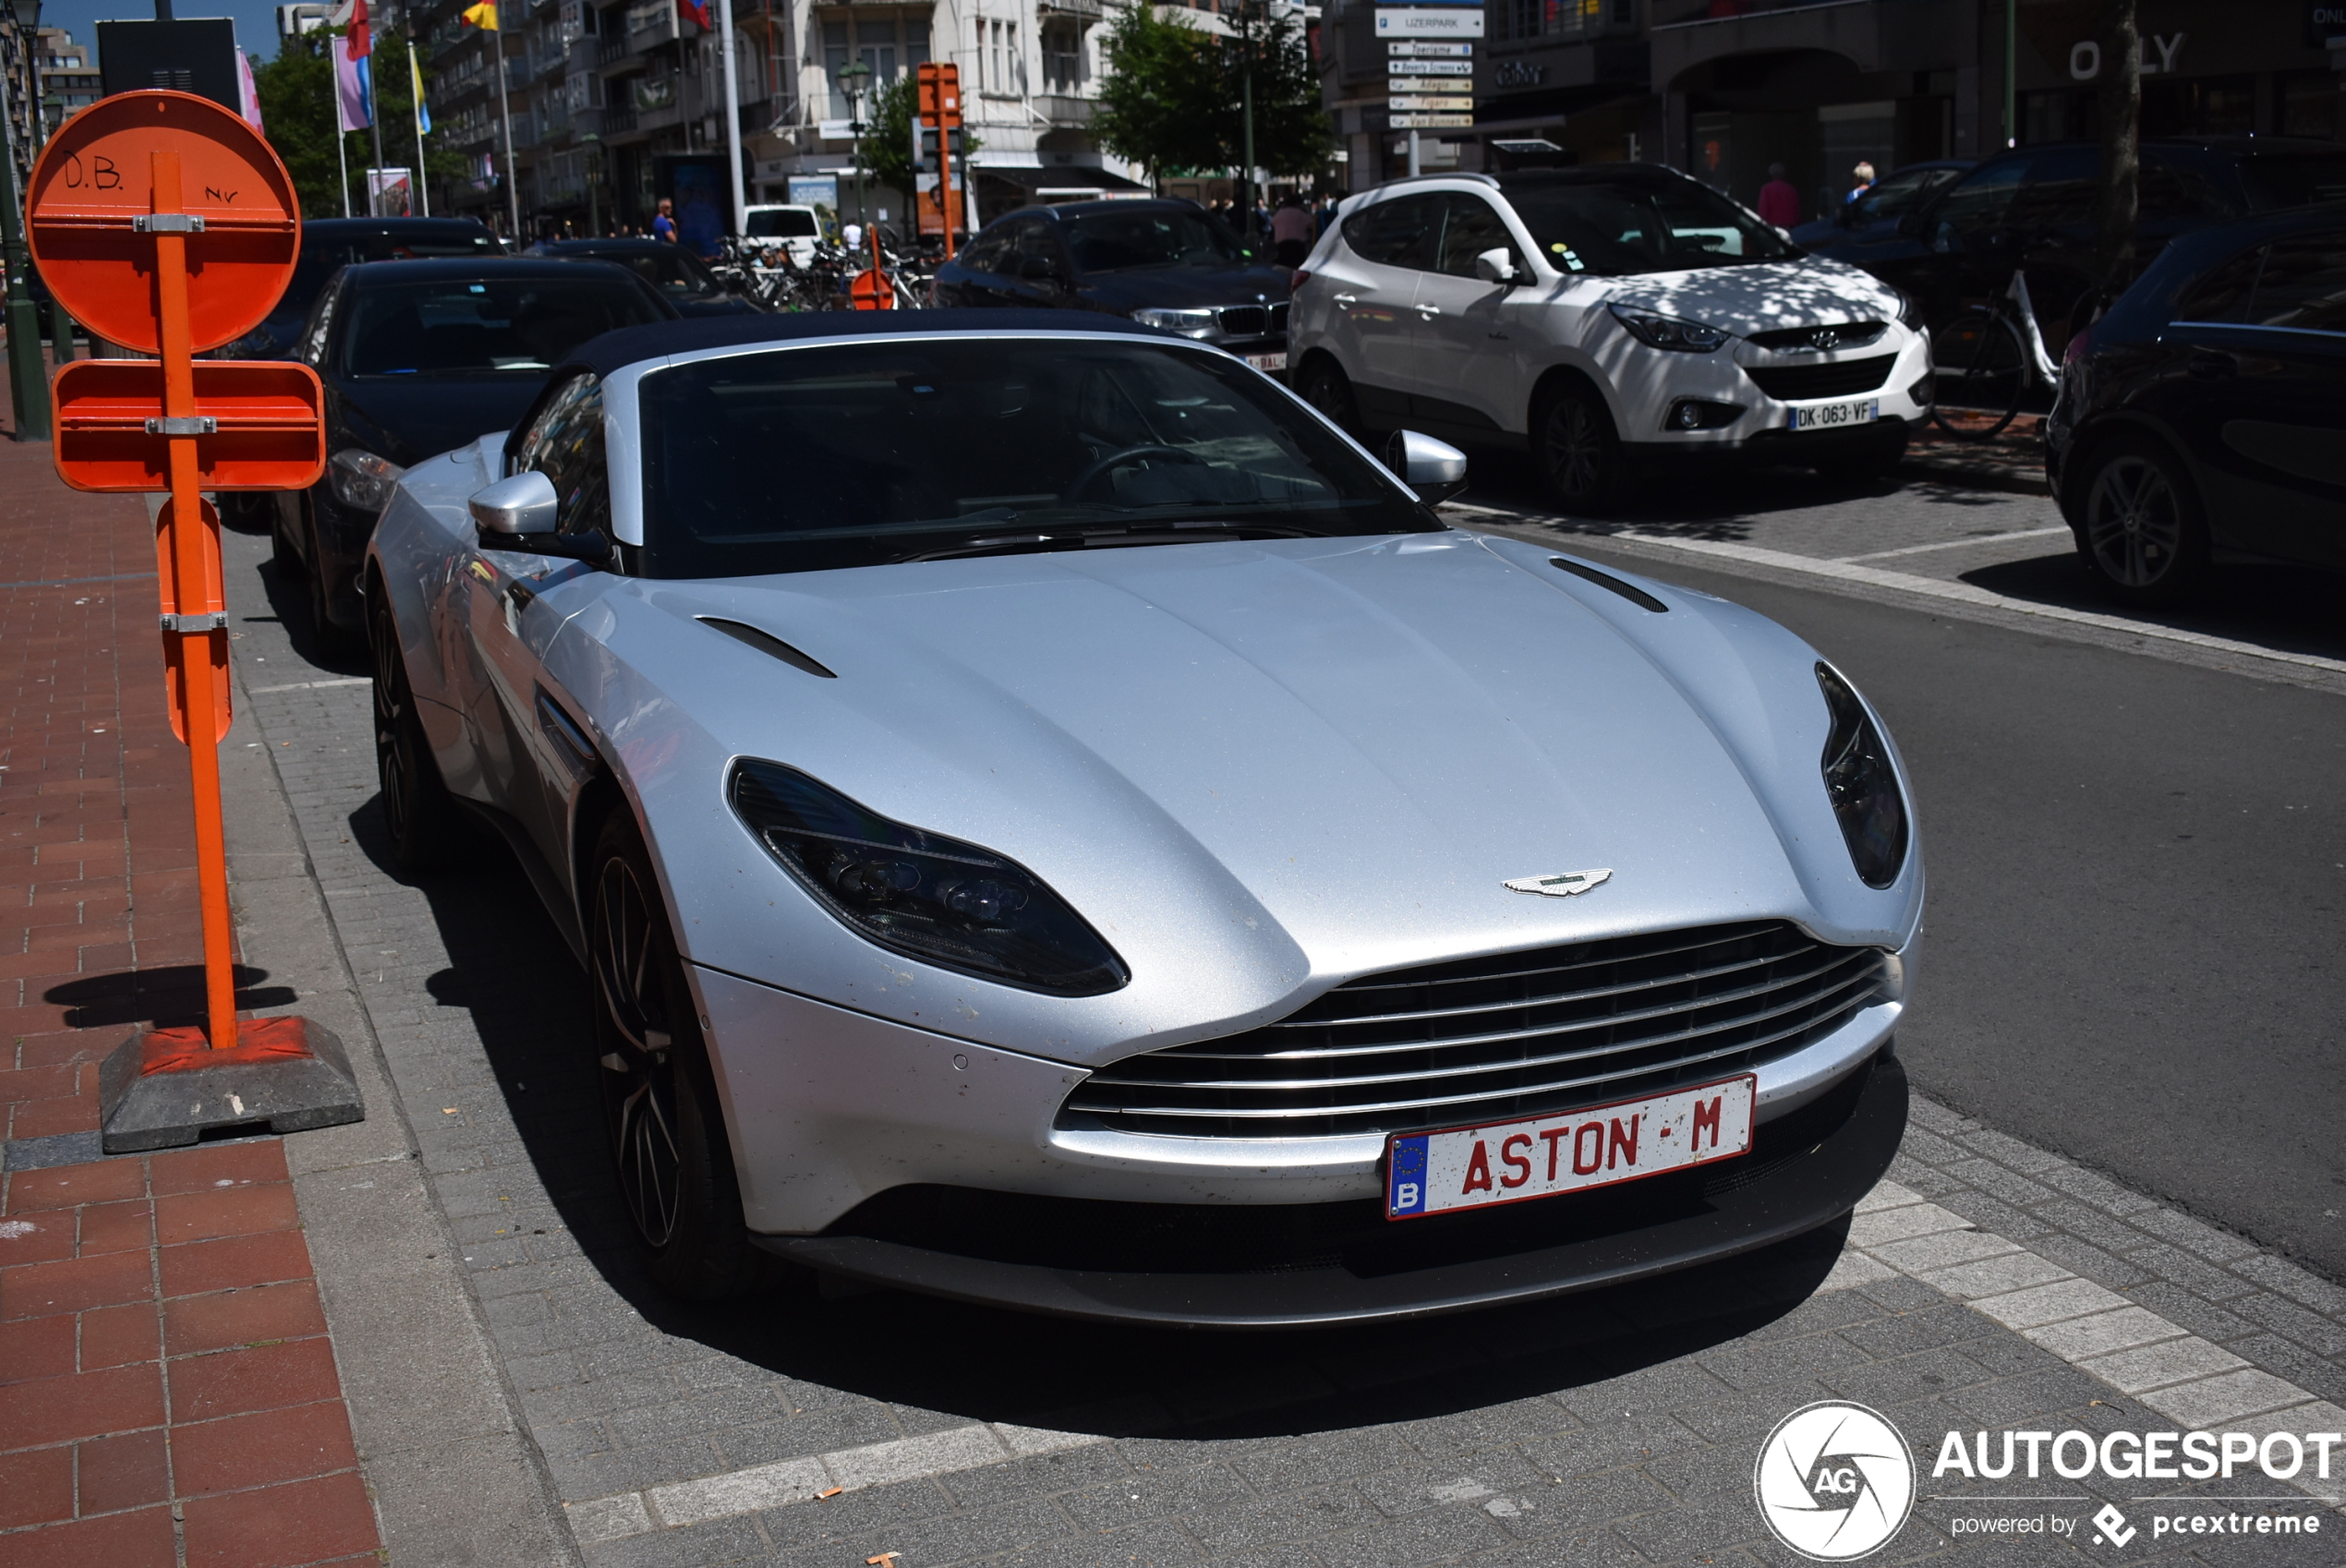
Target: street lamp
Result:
[[851, 81]]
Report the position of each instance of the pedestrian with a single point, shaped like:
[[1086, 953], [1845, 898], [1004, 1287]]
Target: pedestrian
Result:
[[1779, 202], [1863, 175], [1326, 214], [664, 225], [1291, 231], [854, 235]]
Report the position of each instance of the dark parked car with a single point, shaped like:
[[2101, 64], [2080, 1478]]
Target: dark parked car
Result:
[[331, 244], [1166, 264], [2203, 421], [1856, 232], [2035, 207], [675, 271], [420, 357]]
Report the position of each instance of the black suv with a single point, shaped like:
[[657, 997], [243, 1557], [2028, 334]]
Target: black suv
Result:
[[2204, 419], [1167, 264], [2035, 207]]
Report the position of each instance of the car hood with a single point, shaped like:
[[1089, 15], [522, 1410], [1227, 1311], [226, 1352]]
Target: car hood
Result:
[[1764, 296], [1181, 288], [408, 418], [1257, 769]]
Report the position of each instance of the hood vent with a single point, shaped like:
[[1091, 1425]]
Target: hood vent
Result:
[[765, 642]]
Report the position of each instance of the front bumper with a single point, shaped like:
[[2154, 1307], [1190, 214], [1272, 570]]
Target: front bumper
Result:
[[837, 1118], [1655, 383]]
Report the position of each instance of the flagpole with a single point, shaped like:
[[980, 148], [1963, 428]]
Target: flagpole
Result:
[[374, 124], [341, 152], [732, 107], [416, 84]]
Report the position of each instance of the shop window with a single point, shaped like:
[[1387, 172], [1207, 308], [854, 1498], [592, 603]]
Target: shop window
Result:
[[2308, 103], [2199, 106]]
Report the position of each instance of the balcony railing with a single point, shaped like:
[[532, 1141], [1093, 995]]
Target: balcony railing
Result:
[[1064, 111]]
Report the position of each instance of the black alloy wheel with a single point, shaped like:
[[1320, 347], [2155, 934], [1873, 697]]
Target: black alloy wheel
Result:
[[659, 1096], [2139, 526], [1327, 388], [1578, 452], [419, 816]]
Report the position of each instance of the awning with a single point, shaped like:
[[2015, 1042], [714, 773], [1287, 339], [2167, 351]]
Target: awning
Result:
[[1067, 180]]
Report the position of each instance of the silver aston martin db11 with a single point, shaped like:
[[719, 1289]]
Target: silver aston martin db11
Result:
[[1050, 820]]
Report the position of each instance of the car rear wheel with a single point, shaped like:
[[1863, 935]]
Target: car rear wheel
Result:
[[659, 1096], [2140, 528], [418, 813], [1576, 448], [1327, 388]]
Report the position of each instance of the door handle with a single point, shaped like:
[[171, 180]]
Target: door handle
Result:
[[1429, 311], [1346, 299], [2205, 365]]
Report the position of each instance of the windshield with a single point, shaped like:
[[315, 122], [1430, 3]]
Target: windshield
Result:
[[784, 223], [1898, 193], [668, 270], [1151, 237], [320, 258], [1612, 228], [2278, 182], [804, 459], [520, 326]]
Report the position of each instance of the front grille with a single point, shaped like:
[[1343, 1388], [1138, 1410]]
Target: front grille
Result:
[[1820, 340], [1253, 321], [1483, 1040], [1790, 384]]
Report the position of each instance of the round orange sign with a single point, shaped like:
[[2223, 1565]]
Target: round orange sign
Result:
[[101, 195]]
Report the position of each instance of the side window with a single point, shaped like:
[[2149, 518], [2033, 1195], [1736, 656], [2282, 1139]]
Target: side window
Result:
[[1977, 204], [1470, 227], [2222, 294], [2174, 188], [2061, 191], [1396, 234], [985, 253], [2304, 283], [566, 445], [1035, 252]]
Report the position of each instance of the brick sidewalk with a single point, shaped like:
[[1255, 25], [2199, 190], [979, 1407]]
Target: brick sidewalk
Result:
[[168, 1393]]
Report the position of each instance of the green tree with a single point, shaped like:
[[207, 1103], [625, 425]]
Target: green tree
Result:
[[888, 133], [1174, 97], [1292, 133], [297, 91]]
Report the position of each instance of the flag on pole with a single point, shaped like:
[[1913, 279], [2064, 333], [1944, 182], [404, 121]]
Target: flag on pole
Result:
[[247, 95], [415, 86], [352, 90], [483, 15], [361, 39], [693, 11]]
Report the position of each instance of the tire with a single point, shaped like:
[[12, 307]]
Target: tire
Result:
[[418, 815], [660, 1097], [1981, 365], [1576, 450], [2140, 527], [282, 554], [330, 641], [1327, 388]]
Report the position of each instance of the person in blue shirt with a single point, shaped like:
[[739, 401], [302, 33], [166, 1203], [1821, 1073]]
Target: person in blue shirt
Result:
[[664, 225]]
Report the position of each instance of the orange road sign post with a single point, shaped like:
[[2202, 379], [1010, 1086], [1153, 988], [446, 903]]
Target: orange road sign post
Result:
[[169, 227], [938, 89]]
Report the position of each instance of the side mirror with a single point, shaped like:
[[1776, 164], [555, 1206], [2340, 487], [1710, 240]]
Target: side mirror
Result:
[[1496, 266], [1436, 470], [519, 509]]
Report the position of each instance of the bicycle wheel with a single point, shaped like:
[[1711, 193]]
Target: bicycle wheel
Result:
[[1982, 366]]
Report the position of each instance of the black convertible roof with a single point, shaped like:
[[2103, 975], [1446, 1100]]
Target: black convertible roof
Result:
[[630, 345]]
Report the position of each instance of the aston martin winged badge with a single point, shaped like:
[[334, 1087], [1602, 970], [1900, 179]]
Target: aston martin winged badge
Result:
[[1563, 885]]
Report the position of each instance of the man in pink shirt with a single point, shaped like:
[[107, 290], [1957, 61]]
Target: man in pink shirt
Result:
[[1291, 229], [1779, 203]]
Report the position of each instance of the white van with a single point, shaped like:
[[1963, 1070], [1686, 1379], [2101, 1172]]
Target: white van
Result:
[[796, 228]]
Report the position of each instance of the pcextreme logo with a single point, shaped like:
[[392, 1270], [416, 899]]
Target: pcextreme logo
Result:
[[1834, 1481]]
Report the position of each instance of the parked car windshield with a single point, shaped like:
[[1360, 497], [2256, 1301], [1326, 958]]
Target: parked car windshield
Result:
[[803, 459], [1898, 192], [2297, 180], [782, 223], [516, 326], [1615, 226], [1150, 236]]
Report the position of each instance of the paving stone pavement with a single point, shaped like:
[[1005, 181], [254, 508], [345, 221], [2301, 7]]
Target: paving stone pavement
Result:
[[1619, 1427]]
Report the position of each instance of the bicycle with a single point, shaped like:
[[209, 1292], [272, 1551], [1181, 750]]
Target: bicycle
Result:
[[1987, 357]]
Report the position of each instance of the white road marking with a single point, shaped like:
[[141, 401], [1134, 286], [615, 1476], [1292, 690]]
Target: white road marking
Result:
[[1959, 544], [310, 685]]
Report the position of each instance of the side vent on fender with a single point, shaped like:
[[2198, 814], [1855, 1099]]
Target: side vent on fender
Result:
[[765, 642]]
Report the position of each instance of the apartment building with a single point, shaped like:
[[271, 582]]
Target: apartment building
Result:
[[1722, 88], [69, 76], [612, 105]]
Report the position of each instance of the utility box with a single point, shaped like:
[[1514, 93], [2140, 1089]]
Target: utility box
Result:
[[198, 56]]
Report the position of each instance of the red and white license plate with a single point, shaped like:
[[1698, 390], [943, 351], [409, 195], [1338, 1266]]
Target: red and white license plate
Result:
[[1268, 361], [1473, 1167]]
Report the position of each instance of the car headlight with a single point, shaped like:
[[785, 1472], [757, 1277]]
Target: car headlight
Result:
[[930, 898], [1862, 785], [363, 480], [1189, 323], [1657, 330]]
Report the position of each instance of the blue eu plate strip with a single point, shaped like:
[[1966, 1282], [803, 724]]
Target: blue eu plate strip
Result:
[[1405, 1177]]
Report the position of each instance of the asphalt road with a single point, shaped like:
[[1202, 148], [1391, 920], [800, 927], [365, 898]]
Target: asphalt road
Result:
[[2135, 941]]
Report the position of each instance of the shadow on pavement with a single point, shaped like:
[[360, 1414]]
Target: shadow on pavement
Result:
[[2292, 610], [169, 997]]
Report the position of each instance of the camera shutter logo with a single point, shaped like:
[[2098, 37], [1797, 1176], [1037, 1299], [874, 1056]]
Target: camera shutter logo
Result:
[[1834, 1481]]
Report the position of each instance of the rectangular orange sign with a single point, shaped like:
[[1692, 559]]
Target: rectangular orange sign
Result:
[[260, 424]]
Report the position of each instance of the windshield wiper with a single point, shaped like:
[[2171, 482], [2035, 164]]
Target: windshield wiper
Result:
[[1118, 534]]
